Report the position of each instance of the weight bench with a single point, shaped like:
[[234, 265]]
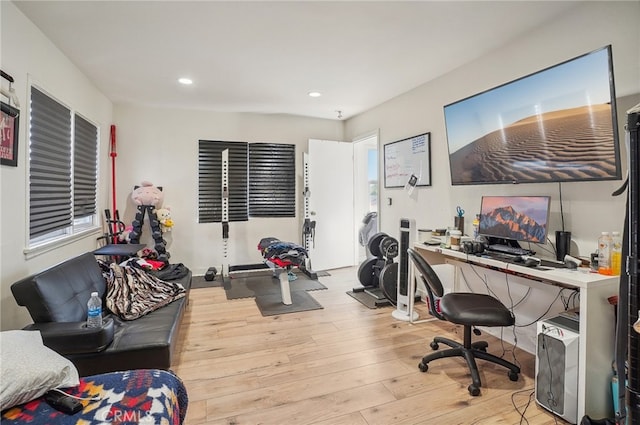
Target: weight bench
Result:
[[280, 257]]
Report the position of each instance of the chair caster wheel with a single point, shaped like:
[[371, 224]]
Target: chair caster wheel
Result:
[[423, 367], [473, 390], [513, 376], [434, 345]]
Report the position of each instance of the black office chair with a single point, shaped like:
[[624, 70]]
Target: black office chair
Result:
[[469, 310]]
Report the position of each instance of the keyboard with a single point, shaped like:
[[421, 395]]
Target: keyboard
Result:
[[511, 250], [552, 263]]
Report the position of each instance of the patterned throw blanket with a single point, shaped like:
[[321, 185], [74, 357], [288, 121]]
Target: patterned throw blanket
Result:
[[132, 292], [141, 397]]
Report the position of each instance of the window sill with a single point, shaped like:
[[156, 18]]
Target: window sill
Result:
[[35, 250]]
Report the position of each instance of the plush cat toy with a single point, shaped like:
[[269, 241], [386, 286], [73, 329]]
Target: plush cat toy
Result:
[[147, 194]]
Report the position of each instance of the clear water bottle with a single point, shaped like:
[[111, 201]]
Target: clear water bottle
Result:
[[94, 311], [604, 253], [616, 253]]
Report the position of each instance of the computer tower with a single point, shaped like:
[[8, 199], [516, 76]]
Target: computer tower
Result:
[[556, 383]]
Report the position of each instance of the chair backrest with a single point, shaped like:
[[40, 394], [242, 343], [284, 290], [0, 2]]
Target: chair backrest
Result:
[[431, 280]]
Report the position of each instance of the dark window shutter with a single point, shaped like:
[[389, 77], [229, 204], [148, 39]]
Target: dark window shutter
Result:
[[85, 154], [49, 165], [272, 180], [210, 181]]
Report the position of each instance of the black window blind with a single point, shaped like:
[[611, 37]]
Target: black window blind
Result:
[[49, 165], [210, 181], [272, 180], [85, 157], [261, 180]]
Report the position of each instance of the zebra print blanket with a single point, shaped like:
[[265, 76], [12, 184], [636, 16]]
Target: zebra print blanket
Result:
[[132, 292]]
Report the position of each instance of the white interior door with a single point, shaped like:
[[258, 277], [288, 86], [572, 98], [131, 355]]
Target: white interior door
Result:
[[331, 204]]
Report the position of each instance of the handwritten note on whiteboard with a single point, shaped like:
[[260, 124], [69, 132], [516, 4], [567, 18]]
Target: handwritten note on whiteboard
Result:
[[407, 157]]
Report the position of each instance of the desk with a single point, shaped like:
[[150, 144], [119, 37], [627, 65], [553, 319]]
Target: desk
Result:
[[597, 320]]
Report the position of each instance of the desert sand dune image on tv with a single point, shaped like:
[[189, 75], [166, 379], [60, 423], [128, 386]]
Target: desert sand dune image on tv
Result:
[[568, 144]]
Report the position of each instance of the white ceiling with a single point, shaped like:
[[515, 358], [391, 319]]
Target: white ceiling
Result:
[[265, 56]]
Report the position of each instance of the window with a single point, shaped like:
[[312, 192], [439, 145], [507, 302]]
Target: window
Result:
[[272, 184], [63, 153], [210, 181], [261, 180]]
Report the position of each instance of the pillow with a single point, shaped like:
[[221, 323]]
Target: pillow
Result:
[[29, 369]]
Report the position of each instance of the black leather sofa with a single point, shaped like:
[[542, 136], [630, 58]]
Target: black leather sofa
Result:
[[56, 299]]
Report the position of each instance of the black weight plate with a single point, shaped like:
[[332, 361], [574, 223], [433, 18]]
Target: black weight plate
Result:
[[366, 272], [389, 282], [389, 248], [374, 244]]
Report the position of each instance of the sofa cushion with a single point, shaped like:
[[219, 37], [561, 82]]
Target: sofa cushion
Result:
[[60, 293]]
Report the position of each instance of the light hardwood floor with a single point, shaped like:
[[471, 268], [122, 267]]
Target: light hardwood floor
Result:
[[344, 364]]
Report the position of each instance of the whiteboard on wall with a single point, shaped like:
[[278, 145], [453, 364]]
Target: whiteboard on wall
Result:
[[406, 158]]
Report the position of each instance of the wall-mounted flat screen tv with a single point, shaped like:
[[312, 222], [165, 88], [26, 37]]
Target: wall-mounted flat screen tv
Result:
[[556, 125]]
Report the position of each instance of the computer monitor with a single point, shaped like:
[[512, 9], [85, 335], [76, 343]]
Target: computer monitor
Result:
[[512, 219]]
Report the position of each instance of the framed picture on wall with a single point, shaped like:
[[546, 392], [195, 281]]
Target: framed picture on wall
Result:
[[9, 131], [408, 161]]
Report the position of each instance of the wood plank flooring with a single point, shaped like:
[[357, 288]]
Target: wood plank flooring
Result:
[[342, 365]]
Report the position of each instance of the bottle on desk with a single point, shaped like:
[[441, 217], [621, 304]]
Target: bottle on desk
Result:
[[604, 253], [94, 311], [476, 227], [616, 253]]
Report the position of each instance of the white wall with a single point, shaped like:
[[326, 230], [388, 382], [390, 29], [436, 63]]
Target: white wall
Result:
[[27, 54], [161, 145], [588, 206]]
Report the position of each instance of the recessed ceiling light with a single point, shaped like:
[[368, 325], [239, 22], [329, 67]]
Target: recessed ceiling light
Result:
[[185, 81], [315, 94]]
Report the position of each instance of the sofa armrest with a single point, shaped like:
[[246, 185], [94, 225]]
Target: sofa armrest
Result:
[[75, 337]]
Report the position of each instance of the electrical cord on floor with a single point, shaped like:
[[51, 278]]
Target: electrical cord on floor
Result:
[[526, 406]]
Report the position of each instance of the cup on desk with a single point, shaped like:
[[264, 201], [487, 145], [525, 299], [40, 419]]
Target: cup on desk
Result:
[[563, 244], [456, 237]]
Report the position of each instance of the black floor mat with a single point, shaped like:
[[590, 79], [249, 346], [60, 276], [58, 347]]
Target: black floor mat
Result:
[[259, 284], [367, 300], [271, 304], [199, 282]]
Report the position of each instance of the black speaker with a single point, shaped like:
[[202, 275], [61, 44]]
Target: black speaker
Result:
[[473, 247]]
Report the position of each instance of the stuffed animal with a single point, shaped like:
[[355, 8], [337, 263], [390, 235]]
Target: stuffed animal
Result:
[[125, 236], [164, 218], [147, 194]]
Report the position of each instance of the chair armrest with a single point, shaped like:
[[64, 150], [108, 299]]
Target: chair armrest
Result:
[[74, 337]]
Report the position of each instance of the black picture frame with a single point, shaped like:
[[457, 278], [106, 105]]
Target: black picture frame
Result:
[[408, 160], [9, 126]]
